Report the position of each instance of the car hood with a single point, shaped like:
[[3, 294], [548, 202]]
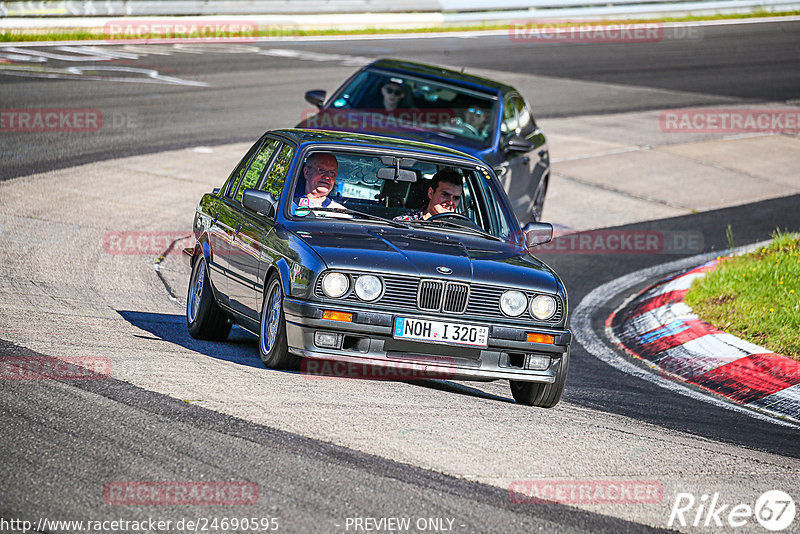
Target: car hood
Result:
[[421, 253]]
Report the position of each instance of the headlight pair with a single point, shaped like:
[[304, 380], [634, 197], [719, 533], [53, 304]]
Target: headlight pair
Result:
[[367, 286], [513, 303]]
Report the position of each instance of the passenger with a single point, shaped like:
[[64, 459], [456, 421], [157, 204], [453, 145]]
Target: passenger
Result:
[[444, 195], [393, 94], [320, 175]]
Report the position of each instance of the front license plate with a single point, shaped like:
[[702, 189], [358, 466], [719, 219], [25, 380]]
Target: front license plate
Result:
[[439, 332]]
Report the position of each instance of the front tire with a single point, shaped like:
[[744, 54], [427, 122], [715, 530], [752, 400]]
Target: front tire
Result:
[[272, 346], [542, 395], [204, 318]]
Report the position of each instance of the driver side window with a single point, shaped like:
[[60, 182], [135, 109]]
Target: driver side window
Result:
[[229, 189], [257, 167]]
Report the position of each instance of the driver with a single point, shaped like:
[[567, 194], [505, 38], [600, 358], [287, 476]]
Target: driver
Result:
[[444, 195], [320, 174], [477, 118]]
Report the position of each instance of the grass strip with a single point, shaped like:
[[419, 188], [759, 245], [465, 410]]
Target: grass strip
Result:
[[755, 296], [33, 35]]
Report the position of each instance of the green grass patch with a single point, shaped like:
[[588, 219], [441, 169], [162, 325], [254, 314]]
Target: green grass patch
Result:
[[755, 296], [276, 32]]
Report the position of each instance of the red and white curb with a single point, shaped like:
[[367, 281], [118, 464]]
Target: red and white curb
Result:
[[658, 327]]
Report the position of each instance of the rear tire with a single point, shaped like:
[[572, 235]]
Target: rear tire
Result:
[[204, 318], [272, 346], [542, 395]]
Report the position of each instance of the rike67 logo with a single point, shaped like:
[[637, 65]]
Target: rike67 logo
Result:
[[774, 510]]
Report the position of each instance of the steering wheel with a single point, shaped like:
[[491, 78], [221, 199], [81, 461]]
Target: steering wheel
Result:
[[470, 128], [449, 215], [465, 126]]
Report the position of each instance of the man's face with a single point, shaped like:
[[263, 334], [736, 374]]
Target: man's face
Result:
[[476, 117], [392, 95], [320, 174], [444, 199]]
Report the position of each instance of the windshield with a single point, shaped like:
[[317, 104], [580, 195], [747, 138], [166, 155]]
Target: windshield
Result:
[[388, 102], [399, 191]]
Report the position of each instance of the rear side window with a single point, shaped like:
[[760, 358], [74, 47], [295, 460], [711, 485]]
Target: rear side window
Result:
[[257, 167], [273, 183]]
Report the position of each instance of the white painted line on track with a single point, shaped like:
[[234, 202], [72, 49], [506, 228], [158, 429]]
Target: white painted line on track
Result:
[[603, 350]]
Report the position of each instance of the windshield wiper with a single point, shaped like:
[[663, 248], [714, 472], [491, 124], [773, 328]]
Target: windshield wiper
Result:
[[473, 229], [348, 211]]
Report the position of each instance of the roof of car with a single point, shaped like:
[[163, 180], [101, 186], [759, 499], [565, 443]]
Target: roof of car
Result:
[[442, 74], [301, 136]]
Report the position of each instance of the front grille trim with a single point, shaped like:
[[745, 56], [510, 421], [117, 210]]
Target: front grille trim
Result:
[[430, 294], [483, 300], [456, 297]]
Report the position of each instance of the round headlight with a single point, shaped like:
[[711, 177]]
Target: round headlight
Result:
[[513, 303], [368, 287], [543, 307], [335, 284]]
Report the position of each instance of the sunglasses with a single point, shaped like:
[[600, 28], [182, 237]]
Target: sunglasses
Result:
[[476, 111], [392, 91]]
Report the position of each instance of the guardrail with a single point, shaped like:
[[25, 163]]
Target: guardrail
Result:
[[483, 9]]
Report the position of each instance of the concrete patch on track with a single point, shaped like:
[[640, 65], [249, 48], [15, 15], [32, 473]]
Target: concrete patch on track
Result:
[[68, 291]]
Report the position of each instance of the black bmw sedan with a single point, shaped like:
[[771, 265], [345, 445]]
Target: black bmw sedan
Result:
[[366, 250]]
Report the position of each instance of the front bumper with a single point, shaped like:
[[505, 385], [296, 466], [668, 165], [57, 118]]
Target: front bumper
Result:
[[368, 340]]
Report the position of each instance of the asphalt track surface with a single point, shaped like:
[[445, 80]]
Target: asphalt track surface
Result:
[[59, 438], [250, 92]]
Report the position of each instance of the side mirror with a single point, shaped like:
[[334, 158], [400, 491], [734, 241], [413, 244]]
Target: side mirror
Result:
[[261, 202], [537, 233], [517, 143], [316, 97]]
